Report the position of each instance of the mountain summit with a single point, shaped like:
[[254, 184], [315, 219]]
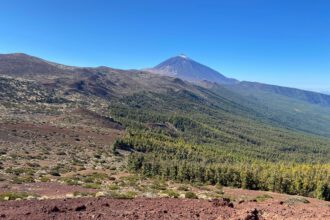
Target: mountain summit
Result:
[[183, 67]]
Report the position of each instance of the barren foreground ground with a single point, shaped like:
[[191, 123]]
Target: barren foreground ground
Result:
[[255, 205], [160, 208]]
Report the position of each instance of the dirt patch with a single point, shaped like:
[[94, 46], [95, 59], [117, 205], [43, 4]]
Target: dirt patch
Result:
[[47, 190], [161, 208]]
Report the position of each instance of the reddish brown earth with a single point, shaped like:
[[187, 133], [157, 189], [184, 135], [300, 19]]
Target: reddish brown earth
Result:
[[49, 190], [161, 208]]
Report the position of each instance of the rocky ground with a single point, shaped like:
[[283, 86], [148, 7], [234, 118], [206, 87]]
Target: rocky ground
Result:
[[159, 208], [57, 201]]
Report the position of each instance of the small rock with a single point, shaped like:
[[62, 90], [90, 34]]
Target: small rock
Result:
[[252, 215], [241, 201], [55, 209], [69, 195], [80, 208], [222, 202]]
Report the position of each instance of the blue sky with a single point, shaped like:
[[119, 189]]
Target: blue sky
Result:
[[283, 42]]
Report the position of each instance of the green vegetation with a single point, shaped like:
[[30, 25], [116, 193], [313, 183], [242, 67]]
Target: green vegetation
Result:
[[296, 200], [171, 193], [92, 186], [13, 195], [113, 187], [263, 197], [127, 195], [182, 137], [190, 195], [183, 188]]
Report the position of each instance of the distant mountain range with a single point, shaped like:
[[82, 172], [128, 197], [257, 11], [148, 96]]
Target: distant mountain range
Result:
[[186, 68]]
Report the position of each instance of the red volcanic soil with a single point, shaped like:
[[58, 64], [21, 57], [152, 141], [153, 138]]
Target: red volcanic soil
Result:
[[160, 208]]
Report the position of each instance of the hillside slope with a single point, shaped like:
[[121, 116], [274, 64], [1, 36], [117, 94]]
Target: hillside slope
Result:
[[174, 129]]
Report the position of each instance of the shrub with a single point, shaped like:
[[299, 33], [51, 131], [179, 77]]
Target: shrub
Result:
[[323, 191], [296, 200], [128, 195], [71, 181], [263, 197], [190, 195], [158, 186], [44, 179], [172, 193], [113, 187], [92, 185], [20, 180], [13, 195], [219, 186], [183, 188]]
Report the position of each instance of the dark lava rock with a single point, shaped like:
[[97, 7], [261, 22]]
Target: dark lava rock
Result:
[[55, 209], [222, 202], [81, 208], [252, 215], [106, 204]]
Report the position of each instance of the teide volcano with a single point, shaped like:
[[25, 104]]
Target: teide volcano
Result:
[[185, 68]]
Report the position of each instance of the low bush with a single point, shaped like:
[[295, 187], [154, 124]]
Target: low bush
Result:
[[92, 186], [113, 187], [183, 188], [263, 197], [190, 195], [171, 193], [296, 200], [24, 179], [13, 196], [128, 195]]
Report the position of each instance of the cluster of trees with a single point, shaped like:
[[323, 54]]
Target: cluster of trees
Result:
[[157, 155], [300, 179], [195, 141]]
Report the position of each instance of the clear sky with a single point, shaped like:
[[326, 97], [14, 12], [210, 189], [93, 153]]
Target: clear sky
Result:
[[283, 42]]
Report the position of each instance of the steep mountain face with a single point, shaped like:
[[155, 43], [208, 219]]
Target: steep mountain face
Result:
[[187, 69]]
